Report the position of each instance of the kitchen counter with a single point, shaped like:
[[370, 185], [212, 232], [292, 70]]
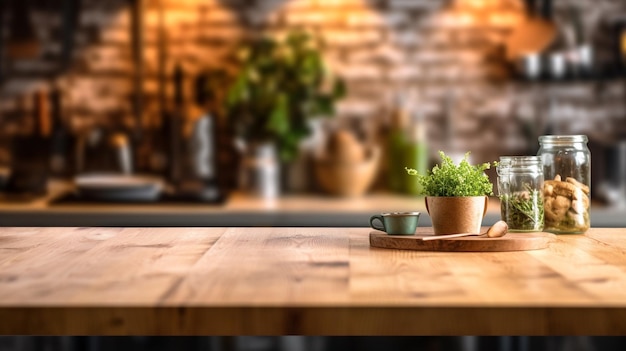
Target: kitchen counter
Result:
[[307, 281], [240, 210], [237, 210]]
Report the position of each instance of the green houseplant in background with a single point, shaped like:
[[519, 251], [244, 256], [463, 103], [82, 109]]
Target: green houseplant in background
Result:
[[281, 86], [456, 195]]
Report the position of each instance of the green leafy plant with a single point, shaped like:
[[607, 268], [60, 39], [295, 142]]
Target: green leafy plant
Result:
[[281, 85], [448, 179], [523, 210]]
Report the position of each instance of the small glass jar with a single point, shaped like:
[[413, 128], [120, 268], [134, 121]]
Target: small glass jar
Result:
[[520, 188], [567, 194]]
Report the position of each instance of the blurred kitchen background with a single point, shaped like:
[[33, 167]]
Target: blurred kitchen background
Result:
[[210, 102], [153, 112]]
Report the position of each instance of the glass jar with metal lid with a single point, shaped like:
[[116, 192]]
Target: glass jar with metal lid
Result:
[[520, 188], [567, 170]]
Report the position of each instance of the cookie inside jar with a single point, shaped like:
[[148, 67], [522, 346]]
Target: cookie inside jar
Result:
[[566, 205]]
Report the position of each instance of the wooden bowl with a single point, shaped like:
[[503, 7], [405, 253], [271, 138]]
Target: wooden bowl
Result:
[[347, 179]]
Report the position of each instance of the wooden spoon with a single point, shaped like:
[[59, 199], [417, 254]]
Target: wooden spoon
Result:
[[499, 229]]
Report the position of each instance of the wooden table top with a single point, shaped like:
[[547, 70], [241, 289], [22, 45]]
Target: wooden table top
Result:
[[306, 281]]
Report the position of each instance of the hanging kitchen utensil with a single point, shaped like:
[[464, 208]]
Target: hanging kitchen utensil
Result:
[[162, 149], [173, 125], [2, 11], [533, 35], [71, 11], [137, 10], [22, 42], [162, 60], [142, 134], [61, 161], [30, 153]]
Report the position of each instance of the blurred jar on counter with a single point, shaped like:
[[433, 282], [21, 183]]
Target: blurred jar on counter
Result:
[[567, 170], [520, 188]]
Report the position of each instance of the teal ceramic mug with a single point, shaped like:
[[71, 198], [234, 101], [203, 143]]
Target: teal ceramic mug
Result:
[[396, 223]]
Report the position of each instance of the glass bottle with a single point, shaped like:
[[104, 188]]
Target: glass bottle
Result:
[[520, 188], [567, 170], [396, 143], [415, 153]]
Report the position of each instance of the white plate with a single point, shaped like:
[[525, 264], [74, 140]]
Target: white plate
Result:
[[118, 187]]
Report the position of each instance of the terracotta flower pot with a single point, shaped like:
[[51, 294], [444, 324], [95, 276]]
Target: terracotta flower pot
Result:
[[456, 214]]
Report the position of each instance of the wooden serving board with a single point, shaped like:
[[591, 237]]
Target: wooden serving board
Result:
[[509, 242]]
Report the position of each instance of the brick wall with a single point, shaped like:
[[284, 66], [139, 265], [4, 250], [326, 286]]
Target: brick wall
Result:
[[443, 50]]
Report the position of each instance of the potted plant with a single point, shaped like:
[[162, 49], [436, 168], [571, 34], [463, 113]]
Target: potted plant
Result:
[[282, 85], [456, 195]]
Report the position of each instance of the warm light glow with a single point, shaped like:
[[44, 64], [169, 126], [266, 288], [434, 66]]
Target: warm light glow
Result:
[[504, 19], [479, 4], [340, 2], [465, 19]]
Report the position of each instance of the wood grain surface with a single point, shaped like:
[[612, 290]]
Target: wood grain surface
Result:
[[306, 281], [509, 242]]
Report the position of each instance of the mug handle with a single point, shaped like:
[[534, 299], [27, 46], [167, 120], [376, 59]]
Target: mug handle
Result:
[[380, 218], [426, 202]]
